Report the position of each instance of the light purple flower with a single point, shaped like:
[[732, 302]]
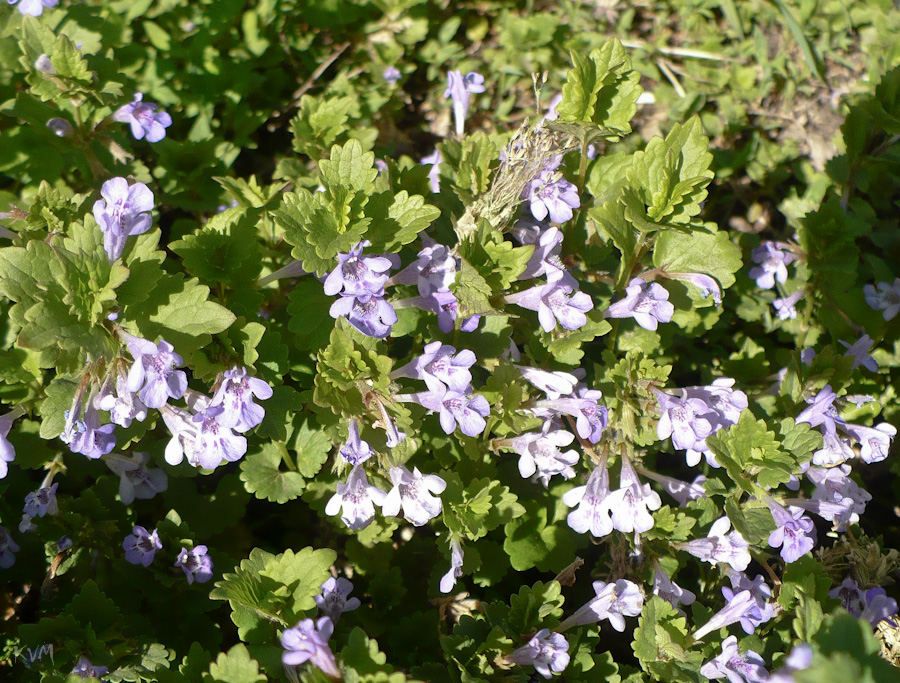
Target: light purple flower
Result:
[[8, 549], [433, 271], [773, 261], [875, 442], [459, 89], [7, 451], [787, 306], [860, 352], [335, 598], [873, 605], [885, 298], [545, 260], [88, 437], [391, 74], [552, 195], [60, 127], [308, 642], [540, 454], [614, 601], [434, 175], [590, 417], [356, 500], [356, 451], [795, 533], [647, 304], [736, 609], [42, 502], [454, 407], [687, 420], [141, 545], [86, 670], [821, 411], [456, 564], [195, 564], [214, 441], [720, 546], [136, 480], [441, 367], [799, 659], [64, 543], [546, 652], [358, 275], [123, 406], [555, 384], [153, 374], [144, 119], [681, 491], [371, 315], [631, 503], [34, 8], [413, 492], [737, 667], [592, 513], [836, 498], [123, 212], [235, 394], [834, 451], [668, 590], [555, 302]]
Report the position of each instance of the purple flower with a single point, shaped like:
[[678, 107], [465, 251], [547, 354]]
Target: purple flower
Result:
[[593, 513], [590, 417], [356, 500], [456, 563], [454, 407], [236, 394], [547, 652], [7, 452], [554, 384], [799, 659], [545, 259], [64, 543], [136, 480], [8, 549], [34, 8], [687, 420], [630, 504], [123, 406], [334, 598], [88, 437], [434, 175], [153, 374], [795, 533], [356, 451], [124, 213], [60, 127], [433, 271], [720, 546], [86, 670], [459, 89], [391, 74], [552, 195], [773, 261], [875, 442], [413, 492], [821, 411], [736, 609], [787, 306], [873, 605], [41, 502], [140, 548], [144, 119], [214, 441], [555, 301], [860, 352], [358, 275], [371, 315], [668, 590], [195, 564], [614, 601], [886, 298], [647, 304], [441, 367], [748, 667], [682, 491], [834, 451], [308, 642], [540, 456]]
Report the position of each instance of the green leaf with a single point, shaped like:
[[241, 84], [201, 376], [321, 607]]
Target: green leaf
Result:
[[752, 519], [567, 345], [397, 220], [60, 394], [713, 255], [224, 251], [662, 635], [319, 122], [312, 447], [263, 477], [471, 162], [237, 666], [303, 574], [349, 168], [601, 89], [535, 607], [540, 539], [68, 62]]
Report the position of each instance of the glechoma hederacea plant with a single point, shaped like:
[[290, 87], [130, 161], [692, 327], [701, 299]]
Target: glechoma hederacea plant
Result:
[[386, 342]]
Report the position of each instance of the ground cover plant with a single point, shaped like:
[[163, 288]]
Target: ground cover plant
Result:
[[449, 342]]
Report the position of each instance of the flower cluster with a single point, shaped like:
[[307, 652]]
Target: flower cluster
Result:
[[360, 281]]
